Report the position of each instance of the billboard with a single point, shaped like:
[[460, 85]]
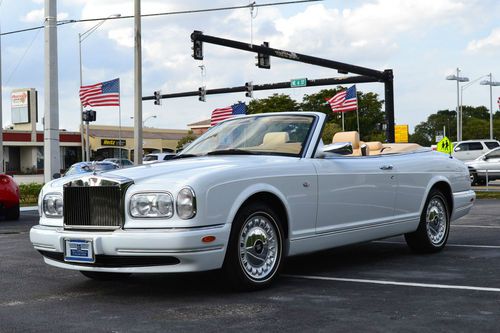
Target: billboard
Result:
[[20, 106]]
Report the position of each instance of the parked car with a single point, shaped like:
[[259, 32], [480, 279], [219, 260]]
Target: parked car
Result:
[[245, 195], [9, 197], [86, 167], [485, 167], [122, 162], [472, 149], [157, 157]]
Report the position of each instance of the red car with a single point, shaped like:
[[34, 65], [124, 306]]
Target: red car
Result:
[[9, 197]]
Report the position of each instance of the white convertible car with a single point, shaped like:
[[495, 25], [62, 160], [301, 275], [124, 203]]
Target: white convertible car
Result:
[[247, 194]]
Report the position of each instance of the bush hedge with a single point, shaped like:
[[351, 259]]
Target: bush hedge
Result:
[[28, 193]]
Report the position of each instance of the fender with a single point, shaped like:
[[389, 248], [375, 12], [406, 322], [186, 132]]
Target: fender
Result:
[[434, 180]]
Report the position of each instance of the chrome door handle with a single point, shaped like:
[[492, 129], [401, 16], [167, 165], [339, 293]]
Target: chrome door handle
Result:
[[386, 167]]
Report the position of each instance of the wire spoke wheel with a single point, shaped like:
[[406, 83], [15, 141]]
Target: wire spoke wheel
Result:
[[258, 247], [436, 221]]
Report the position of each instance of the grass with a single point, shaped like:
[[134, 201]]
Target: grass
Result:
[[488, 195]]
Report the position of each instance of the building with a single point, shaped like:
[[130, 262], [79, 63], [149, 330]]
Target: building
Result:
[[200, 127], [107, 141], [23, 149]]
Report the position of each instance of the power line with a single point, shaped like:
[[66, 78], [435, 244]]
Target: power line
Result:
[[194, 11], [22, 58]]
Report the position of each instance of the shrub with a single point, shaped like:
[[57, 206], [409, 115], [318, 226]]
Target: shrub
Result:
[[28, 193]]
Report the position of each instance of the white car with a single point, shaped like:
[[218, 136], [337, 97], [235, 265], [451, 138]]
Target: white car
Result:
[[472, 149], [485, 167], [250, 192], [157, 157]]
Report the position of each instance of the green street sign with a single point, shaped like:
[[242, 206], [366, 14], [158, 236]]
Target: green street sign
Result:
[[298, 83]]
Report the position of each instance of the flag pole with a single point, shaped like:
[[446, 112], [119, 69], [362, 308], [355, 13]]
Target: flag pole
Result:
[[342, 113], [357, 110], [120, 122]]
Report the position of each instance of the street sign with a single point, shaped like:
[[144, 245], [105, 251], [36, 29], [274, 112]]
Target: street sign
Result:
[[298, 83], [444, 146], [401, 133], [439, 138]]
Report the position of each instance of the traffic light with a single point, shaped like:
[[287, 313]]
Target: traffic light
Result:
[[202, 94], [89, 115], [197, 46], [249, 89], [263, 60], [157, 95]]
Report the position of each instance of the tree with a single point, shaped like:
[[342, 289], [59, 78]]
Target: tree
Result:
[[190, 137], [426, 132], [371, 116], [274, 103]]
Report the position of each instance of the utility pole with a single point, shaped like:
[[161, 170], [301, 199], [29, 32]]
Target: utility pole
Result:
[[52, 161], [1, 110], [138, 84]]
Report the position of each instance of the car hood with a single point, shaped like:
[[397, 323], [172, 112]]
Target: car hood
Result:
[[195, 167]]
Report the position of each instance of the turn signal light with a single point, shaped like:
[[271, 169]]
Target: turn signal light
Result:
[[208, 239]]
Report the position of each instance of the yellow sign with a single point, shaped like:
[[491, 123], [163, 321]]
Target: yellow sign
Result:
[[401, 133], [444, 146]]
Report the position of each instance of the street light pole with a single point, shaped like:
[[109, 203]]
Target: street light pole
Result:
[[137, 84], [459, 79], [462, 88], [81, 38], [490, 83]]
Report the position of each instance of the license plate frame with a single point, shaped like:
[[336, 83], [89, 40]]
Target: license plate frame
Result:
[[79, 250]]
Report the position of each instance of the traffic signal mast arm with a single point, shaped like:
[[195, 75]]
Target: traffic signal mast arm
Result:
[[268, 86]]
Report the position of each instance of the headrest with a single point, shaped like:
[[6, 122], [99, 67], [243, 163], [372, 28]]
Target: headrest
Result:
[[275, 138], [352, 137], [374, 145]]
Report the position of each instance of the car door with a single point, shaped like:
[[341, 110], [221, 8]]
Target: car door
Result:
[[354, 192]]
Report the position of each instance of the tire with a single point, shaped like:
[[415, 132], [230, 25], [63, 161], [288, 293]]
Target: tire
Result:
[[254, 255], [476, 180], [434, 227], [105, 276], [12, 213]]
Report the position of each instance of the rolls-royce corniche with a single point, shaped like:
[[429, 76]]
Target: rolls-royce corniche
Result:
[[245, 195]]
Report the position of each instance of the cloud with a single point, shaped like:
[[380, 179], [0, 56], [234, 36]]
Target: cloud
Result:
[[38, 16], [486, 44]]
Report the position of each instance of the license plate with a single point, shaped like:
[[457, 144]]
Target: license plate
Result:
[[78, 250]]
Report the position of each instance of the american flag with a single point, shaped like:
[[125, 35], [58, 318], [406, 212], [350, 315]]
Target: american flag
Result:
[[101, 94], [221, 114], [344, 101]]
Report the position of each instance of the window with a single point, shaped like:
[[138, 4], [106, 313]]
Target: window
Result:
[[465, 146], [491, 144], [494, 154]]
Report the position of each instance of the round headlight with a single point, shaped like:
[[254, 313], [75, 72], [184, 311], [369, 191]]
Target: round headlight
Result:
[[165, 205], [186, 203]]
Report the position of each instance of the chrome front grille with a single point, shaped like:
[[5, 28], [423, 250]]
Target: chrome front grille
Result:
[[94, 203]]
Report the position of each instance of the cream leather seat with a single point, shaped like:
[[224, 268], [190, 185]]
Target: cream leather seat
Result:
[[275, 138], [353, 138], [375, 147]]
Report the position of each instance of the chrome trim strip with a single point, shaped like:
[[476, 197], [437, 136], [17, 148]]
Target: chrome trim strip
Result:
[[38, 246], [207, 249]]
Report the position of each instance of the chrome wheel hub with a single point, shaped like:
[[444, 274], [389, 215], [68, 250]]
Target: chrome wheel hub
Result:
[[258, 247], [436, 221]]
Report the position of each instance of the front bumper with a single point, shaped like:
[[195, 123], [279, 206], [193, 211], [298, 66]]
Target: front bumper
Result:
[[137, 251]]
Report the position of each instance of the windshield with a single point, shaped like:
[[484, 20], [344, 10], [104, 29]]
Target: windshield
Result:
[[270, 134]]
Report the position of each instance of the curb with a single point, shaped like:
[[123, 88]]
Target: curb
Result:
[[28, 208]]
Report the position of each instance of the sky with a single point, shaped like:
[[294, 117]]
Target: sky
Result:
[[422, 41]]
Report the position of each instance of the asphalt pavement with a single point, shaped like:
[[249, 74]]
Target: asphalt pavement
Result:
[[372, 287]]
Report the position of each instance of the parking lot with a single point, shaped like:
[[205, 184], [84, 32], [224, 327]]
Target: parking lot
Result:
[[377, 286]]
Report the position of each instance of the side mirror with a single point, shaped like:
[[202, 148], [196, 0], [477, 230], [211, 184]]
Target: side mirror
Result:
[[458, 149], [56, 175], [339, 148]]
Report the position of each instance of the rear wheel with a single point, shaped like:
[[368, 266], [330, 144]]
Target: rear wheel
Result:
[[105, 276], [434, 228], [12, 213], [476, 180], [255, 251]]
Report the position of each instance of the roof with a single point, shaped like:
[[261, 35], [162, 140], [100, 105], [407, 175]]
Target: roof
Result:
[[203, 123], [106, 133]]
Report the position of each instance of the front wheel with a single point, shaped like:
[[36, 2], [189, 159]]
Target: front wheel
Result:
[[255, 251], [434, 228]]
